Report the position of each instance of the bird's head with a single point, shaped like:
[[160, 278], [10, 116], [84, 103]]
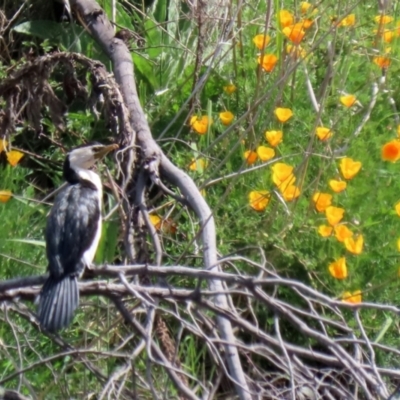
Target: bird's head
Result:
[[84, 157]]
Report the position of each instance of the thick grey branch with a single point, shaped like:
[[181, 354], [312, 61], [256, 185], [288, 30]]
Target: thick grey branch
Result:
[[98, 24]]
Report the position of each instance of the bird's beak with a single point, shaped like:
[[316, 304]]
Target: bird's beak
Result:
[[103, 151]]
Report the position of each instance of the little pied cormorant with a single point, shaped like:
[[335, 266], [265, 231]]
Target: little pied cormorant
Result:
[[72, 234]]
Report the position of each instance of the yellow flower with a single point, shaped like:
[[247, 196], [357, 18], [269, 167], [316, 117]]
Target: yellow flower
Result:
[[268, 61], [391, 151], [294, 33], [354, 246], [348, 100], [265, 153], [325, 230], [261, 41], [353, 298], [283, 114], [259, 199], [383, 19], [337, 186], [334, 214], [226, 117], [349, 168], [5, 195], [274, 137], [3, 145], [304, 24], [281, 172], [165, 225], [397, 208], [250, 156], [349, 20], [200, 125], [229, 89], [382, 62], [198, 164], [342, 232], [304, 7], [338, 268], [322, 201], [155, 220], [286, 18], [290, 192], [387, 35], [13, 157], [323, 133]]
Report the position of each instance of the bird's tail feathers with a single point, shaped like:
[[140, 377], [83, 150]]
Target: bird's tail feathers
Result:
[[59, 299]]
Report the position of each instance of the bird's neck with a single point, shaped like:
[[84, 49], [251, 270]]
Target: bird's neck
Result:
[[83, 176], [88, 177]]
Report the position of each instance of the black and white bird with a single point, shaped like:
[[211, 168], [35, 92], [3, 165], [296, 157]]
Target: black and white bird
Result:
[[72, 235]]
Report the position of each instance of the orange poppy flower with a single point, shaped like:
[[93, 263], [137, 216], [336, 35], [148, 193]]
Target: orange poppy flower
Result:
[[265, 153], [155, 220], [294, 33], [354, 246], [281, 172], [250, 156], [304, 7], [286, 18], [290, 192], [387, 35], [342, 232], [274, 137], [229, 89], [348, 100], [259, 199], [323, 133], [325, 230], [226, 117], [338, 269], [5, 195], [198, 165], [353, 298], [322, 201], [391, 151], [383, 19], [268, 61], [349, 168], [381, 62], [165, 225], [349, 20], [334, 214], [337, 186], [13, 157], [200, 125], [306, 23], [283, 114], [261, 41]]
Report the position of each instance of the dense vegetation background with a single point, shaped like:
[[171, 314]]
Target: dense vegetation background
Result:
[[286, 116]]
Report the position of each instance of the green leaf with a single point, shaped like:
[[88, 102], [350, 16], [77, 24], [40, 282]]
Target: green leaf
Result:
[[40, 243], [146, 69]]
